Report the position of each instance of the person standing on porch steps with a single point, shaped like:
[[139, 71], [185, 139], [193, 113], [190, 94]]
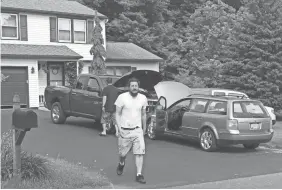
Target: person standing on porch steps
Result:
[[131, 121]]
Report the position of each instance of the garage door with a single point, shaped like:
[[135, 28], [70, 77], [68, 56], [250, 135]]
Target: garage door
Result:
[[14, 80]]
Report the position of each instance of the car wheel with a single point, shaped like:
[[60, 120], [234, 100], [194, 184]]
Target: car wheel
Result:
[[208, 140], [57, 114], [151, 131], [251, 146]]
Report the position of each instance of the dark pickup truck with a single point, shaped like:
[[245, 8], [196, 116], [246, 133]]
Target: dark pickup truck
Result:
[[84, 99]]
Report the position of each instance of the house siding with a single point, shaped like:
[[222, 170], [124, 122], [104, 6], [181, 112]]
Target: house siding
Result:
[[38, 34], [38, 27], [42, 79], [32, 77]]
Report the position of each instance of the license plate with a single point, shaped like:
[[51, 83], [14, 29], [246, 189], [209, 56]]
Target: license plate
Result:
[[255, 126]]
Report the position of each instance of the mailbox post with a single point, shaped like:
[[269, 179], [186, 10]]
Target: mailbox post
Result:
[[22, 121]]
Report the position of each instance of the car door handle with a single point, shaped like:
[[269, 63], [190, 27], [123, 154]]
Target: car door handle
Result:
[[73, 93], [200, 118]]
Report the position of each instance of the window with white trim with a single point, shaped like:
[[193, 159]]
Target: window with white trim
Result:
[[9, 23], [79, 30], [64, 27]]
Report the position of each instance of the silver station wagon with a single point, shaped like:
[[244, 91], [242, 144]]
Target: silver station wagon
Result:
[[211, 120]]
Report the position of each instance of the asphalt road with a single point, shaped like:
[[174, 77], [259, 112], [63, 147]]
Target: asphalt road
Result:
[[168, 162]]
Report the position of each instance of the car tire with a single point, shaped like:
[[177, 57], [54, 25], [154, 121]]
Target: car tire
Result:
[[251, 146], [57, 114], [207, 140], [151, 131]]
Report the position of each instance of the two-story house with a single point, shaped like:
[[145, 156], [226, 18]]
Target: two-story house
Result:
[[40, 34]]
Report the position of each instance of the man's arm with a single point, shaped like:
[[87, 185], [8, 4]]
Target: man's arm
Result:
[[104, 102], [144, 118], [118, 116], [104, 94]]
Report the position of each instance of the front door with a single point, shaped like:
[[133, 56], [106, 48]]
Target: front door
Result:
[[56, 74], [93, 100], [77, 96], [192, 120]]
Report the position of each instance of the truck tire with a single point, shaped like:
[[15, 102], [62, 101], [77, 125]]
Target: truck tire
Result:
[[57, 114]]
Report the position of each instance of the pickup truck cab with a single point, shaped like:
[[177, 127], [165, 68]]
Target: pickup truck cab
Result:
[[84, 99]]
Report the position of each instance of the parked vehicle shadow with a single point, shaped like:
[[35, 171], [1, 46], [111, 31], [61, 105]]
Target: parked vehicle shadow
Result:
[[235, 149], [85, 123]]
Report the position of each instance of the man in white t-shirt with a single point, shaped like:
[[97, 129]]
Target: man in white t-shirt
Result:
[[131, 121]]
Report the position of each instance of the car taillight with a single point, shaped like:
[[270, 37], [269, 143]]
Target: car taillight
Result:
[[232, 126]]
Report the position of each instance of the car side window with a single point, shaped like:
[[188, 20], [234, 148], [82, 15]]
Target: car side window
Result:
[[81, 82], [198, 105], [217, 107], [93, 83], [237, 108], [183, 104]]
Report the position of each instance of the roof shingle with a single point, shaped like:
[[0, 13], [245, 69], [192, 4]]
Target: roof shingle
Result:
[[50, 6], [129, 51], [38, 51]]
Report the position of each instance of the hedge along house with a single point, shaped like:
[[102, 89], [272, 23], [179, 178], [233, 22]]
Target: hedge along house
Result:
[[39, 38]]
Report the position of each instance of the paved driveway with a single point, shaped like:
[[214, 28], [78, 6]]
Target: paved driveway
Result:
[[167, 163]]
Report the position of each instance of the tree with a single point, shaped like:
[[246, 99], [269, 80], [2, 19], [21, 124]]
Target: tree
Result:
[[98, 50], [256, 65], [201, 45]]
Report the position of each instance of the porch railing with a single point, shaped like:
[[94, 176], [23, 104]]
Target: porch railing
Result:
[[41, 100]]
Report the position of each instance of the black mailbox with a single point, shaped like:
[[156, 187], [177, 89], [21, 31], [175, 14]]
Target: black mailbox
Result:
[[24, 119]]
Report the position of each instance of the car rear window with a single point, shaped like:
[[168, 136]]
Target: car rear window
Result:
[[248, 109]]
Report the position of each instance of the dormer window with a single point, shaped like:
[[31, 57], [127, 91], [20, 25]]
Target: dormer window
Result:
[[64, 30], [9, 24], [79, 30]]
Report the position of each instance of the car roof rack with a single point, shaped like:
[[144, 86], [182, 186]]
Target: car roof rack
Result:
[[241, 96], [209, 95]]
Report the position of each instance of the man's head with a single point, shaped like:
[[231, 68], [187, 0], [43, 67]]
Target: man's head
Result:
[[109, 80], [133, 85]]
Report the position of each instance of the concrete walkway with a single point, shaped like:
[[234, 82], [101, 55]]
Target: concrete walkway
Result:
[[269, 181]]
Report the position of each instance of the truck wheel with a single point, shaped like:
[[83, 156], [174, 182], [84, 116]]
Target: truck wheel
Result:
[[251, 146], [208, 140], [57, 114]]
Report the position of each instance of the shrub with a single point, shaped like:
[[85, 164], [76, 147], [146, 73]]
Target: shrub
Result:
[[32, 167]]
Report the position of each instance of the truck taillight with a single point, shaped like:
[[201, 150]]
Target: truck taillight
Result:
[[232, 126]]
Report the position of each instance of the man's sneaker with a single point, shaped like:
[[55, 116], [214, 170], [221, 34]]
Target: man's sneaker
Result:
[[120, 168], [140, 179]]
